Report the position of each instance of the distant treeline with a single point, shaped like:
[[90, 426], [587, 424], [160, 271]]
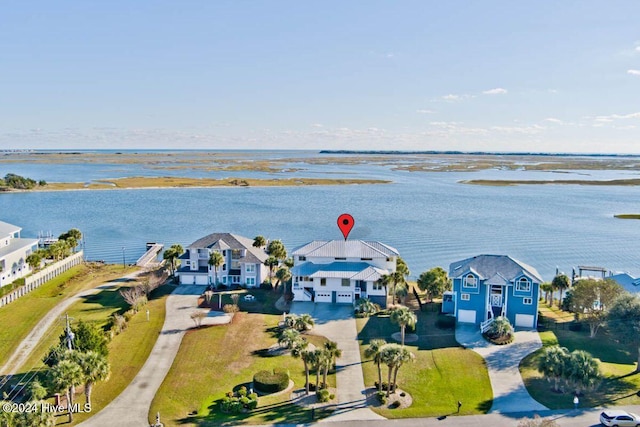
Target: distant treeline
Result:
[[17, 182], [475, 153]]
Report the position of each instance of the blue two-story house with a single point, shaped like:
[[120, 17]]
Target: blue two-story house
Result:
[[487, 286]]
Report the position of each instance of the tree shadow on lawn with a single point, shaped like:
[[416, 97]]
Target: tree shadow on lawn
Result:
[[430, 337], [288, 412], [603, 346]]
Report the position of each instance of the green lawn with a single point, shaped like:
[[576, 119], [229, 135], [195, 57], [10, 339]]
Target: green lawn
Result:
[[127, 351], [214, 360], [617, 363], [443, 373], [24, 313]]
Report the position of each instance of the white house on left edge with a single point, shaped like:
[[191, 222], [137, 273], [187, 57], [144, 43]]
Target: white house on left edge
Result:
[[243, 263], [13, 253], [340, 271]]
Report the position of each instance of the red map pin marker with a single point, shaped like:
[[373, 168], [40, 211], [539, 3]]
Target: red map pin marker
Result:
[[345, 224]]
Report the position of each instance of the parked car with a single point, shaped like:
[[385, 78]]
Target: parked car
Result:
[[620, 418]]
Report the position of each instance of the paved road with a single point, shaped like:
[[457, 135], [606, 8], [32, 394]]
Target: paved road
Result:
[[509, 392], [336, 322], [131, 407], [26, 346]]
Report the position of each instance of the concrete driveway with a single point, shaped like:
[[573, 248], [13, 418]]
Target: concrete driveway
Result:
[[131, 407], [337, 323], [509, 393]]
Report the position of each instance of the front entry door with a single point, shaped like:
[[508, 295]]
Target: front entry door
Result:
[[496, 296]]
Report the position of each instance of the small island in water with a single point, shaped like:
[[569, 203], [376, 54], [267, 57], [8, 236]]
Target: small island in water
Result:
[[627, 216]]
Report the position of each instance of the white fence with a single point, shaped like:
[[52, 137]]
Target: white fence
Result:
[[37, 279]]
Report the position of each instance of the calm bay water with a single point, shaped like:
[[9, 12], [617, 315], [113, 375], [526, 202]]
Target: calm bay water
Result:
[[429, 217]]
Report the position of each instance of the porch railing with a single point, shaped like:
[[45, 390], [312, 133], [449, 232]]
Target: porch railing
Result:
[[484, 326]]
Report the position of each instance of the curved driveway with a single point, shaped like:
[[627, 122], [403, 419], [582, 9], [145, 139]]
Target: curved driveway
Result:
[[509, 392], [131, 407]]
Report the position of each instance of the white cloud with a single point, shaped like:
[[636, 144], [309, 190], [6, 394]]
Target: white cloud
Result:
[[452, 97], [553, 120], [425, 111], [634, 72], [637, 48], [495, 91], [613, 117], [316, 125]]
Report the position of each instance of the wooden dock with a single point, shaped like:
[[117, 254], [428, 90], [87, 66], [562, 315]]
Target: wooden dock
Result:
[[149, 257]]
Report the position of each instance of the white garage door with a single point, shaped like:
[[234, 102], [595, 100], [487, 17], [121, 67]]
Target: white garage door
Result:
[[467, 316], [323, 296], [186, 280], [344, 297], [201, 280], [524, 320]]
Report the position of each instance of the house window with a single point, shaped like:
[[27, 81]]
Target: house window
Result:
[[523, 285], [302, 258], [470, 281], [366, 259], [251, 268], [526, 301], [340, 259], [224, 253], [251, 281], [346, 282], [464, 297], [224, 267], [236, 253], [224, 279], [323, 282]]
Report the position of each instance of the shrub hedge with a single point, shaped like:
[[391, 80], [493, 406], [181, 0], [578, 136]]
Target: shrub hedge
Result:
[[271, 382]]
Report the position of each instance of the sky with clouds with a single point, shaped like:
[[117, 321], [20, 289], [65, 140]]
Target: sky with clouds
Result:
[[548, 76]]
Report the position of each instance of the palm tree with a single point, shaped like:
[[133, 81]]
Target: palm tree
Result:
[[271, 262], [215, 260], [34, 418], [331, 352], [552, 364], [560, 283], [299, 351], [582, 371], [374, 351], [95, 367], [34, 260], [65, 375], [259, 242], [396, 278], [547, 288], [318, 361], [404, 317], [172, 254], [277, 250], [404, 356], [289, 337], [304, 322], [389, 356], [283, 275]]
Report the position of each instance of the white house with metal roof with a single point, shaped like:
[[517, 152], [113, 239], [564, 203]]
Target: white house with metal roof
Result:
[[243, 263], [14, 251], [339, 271]]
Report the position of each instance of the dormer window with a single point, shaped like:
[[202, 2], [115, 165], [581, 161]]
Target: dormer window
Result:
[[302, 258], [523, 285], [470, 281]]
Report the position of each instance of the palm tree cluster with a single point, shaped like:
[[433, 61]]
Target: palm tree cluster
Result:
[[320, 359], [578, 370], [396, 282], [392, 355], [365, 307]]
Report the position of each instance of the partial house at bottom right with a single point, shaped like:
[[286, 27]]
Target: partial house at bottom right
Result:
[[487, 286]]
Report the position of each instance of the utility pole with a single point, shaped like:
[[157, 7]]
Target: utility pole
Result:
[[69, 333]]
